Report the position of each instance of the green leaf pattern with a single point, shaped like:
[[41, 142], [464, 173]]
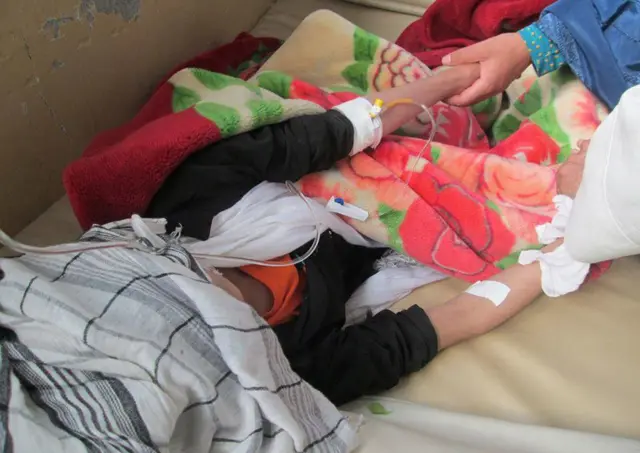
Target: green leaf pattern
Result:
[[265, 112], [531, 101], [512, 258], [488, 106], [435, 153], [215, 81], [365, 54], [506, 126], [183, 98], [392, 219], [234, 105], [357, 74], [227, 119], [365, 45], [493, 206], [276, 82]]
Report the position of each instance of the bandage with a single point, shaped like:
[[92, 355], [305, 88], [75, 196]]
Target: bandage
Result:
[[494, 291], [549, 232], [366, 121], [561, 274]]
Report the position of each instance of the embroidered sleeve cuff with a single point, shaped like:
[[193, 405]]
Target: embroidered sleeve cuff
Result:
[[545, 55]]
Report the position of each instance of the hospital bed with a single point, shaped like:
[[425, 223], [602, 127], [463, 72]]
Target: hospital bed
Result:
[[569, 363]]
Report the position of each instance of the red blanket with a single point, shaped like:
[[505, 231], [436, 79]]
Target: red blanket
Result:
[[154, 143], [449, 25]]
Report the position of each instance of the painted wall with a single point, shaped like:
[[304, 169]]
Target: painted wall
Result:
[[71, 68]]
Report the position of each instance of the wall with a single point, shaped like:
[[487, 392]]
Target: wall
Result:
[[71, 68]]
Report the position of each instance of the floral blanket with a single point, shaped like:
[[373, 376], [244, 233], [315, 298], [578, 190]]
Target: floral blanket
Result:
[[469, 208], [464, 207]]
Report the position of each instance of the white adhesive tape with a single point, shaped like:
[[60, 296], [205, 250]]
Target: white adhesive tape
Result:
[[367, 131], [494, 291]]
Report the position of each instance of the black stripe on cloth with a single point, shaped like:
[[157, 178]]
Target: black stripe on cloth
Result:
[[30, 373], [308, 447], [66, 267], [277, 389], [239, 329], [52, 392], [96, 420], [237, 441], [6, 440], [24, 294], [325, 437], [273, 434], [252, 433], [169, 342], [210, 400], [90, 429], [123, 289], [133, 421]]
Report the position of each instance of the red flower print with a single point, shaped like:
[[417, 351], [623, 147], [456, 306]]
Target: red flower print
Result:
[[473, 224], [343, 96], [427, 237], [519, 184], [462, 165], [396, 68], [586, 111], [529, 144], [309, 92]]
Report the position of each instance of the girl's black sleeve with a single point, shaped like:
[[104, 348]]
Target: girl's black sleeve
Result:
[[216, 177]]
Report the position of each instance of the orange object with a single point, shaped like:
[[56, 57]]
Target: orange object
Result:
[[286, 285]]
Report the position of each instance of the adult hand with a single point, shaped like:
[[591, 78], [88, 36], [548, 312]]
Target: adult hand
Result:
[[502, 59], [569, 174]]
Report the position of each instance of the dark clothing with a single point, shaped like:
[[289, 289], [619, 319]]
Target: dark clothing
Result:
[[343, 363], [217, 177]]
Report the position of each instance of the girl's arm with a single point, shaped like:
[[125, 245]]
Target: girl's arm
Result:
[[467, 316], [427, 91], [216, 177], [372, 356]]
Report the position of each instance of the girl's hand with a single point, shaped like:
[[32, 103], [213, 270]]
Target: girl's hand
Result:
[[554, 245], [463, 76], [502, 59], [569, 174]]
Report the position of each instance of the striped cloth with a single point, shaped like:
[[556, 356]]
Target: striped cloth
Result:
[[128, 350]]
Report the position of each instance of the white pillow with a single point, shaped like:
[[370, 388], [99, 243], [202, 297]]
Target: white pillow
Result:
[[413, 7], [604, 223]]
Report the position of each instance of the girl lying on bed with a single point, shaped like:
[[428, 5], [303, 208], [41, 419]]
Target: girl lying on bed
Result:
[[305, 303]]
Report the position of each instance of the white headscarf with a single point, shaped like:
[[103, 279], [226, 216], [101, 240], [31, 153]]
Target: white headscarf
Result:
[[605, 219]]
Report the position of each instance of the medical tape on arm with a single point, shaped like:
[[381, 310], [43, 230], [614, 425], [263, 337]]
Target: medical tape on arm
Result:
[[496, 292], [561, 274], [366, 121]]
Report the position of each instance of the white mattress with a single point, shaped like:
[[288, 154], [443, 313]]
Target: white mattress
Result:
[[571, 362]]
